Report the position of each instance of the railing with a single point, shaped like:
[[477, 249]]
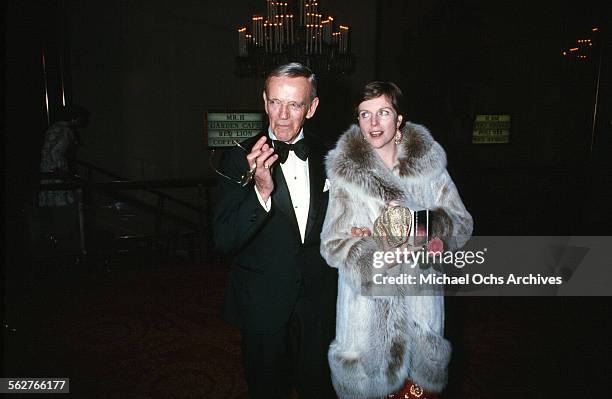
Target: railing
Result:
[[117, 189]]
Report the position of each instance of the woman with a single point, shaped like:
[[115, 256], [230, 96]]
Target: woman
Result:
[[387, 344]]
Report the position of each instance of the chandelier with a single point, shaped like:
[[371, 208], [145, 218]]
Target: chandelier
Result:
[[293, 31]]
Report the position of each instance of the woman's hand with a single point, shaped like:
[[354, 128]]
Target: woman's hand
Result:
[[360, 232]]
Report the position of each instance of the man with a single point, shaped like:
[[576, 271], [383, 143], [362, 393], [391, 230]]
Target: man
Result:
[[281, 293]]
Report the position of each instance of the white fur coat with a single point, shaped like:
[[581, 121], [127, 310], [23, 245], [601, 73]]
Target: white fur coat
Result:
[[382, 340]]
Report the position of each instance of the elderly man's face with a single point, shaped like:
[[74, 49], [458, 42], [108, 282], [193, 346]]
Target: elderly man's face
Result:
[[287, 103]]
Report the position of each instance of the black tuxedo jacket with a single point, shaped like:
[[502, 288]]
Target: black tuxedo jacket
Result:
[[272, 269]]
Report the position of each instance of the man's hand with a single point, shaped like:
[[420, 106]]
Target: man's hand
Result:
[[261, 158]]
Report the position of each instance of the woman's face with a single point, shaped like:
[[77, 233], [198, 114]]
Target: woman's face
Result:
[[379, 122]]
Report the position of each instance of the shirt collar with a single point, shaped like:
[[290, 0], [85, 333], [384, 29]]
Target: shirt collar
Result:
[[299, 137]]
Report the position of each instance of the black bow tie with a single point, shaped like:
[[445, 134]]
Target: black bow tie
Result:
[[282, 149]]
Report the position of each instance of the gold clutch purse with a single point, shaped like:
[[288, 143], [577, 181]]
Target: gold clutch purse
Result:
[[394, 223]]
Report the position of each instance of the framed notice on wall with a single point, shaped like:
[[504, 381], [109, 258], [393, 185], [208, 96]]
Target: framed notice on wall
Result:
[[222, 128], [491, 129]]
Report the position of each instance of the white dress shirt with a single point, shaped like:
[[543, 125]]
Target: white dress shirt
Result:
[[298, 182]]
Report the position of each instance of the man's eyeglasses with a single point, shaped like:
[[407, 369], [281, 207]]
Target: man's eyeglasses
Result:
[[381, 114], [276, 104], [245, 179]]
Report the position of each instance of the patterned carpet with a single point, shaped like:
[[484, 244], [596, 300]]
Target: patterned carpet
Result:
[[156, 333]]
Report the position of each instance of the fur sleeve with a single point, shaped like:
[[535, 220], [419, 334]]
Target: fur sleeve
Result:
[[352, 256], [449, 220]]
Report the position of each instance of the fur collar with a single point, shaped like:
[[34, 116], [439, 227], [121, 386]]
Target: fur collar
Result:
[[354, 162]]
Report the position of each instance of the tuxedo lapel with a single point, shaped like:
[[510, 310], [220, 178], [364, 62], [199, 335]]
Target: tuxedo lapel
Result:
[[282, 199], [316, 171]]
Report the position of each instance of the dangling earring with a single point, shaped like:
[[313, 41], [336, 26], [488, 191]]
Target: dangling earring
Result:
[[398, 137]]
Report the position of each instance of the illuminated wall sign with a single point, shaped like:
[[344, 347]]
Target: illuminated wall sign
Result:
[[222, 128], [491, 129]]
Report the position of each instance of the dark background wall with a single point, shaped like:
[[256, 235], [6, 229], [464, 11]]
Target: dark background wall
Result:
[[458, 59], [28, 31]]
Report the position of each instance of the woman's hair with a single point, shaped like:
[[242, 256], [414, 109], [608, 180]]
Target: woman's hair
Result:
[[376, 89]]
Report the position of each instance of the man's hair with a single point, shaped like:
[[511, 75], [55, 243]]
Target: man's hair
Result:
[[294, 70], [376, 89]]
